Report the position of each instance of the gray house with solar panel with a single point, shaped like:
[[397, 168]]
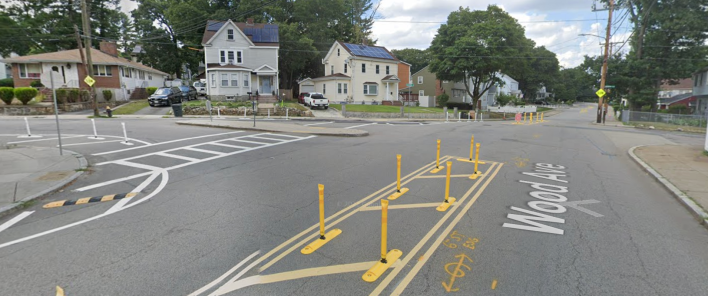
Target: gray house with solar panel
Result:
[[356, 73], [240, 58]]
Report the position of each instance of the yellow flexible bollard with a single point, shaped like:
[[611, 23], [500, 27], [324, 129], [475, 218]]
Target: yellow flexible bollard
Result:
[[524, 117], [542, 117], [448, 200], [477, 173], [538, 118], [437, 162], [531, 118], [324, 238], [471, 153], [387, 258], [399, 191]]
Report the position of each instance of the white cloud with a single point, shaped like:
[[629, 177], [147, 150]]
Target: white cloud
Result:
[[560, 37], [127, 6]]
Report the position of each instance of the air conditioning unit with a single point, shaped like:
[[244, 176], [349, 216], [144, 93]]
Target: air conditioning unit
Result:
[[231, 62]]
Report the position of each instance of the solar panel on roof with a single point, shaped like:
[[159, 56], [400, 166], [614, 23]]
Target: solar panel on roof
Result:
[[214, 25], [368, 51]]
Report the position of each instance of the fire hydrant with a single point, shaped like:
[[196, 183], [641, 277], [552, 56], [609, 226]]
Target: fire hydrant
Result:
[[109, 112]]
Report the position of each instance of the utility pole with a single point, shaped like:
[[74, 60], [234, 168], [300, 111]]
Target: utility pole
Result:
[[81, 47], [604, 62], [86, 20]]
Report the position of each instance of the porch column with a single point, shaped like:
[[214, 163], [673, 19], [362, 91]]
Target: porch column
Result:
[[387, 92], [258, 83]]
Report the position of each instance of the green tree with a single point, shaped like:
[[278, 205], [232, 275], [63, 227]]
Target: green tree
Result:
[[539, 68], [475, 46], [416, 57]]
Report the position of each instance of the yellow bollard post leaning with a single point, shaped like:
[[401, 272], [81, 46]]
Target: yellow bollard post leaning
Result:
[[538, 118], [471, 153], [542, 116], [437, 162], [477, 173], [448, 200], [399, 191], [387, 258], [324, 238], [531, 118]]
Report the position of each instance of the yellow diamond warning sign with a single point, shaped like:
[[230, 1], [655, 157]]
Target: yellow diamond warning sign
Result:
[[89, 81], [600, 93]]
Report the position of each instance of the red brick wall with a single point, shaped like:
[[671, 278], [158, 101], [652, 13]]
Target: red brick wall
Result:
[[101, 81], [20, 82], [403, 73]]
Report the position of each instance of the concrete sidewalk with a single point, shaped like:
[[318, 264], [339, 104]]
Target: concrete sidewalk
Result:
[[682, 169], [27, 173], [277, 127]]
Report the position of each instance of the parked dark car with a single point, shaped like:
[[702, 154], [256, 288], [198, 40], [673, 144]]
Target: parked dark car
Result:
[[165, 96], [301, 98], [188, 93]]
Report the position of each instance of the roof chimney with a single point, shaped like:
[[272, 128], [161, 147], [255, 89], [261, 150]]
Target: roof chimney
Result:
[[109, 48], [249, 22]]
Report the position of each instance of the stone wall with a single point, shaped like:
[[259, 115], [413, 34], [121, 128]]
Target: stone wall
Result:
[[26, 110], [396, 115]]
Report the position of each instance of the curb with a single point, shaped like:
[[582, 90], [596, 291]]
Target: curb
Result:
[[361, 134], [15, 206], [685, 201]]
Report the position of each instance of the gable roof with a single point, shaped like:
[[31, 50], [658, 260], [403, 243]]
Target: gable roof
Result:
[[368, 51], [258, 33], [73, 56], [674, 99]]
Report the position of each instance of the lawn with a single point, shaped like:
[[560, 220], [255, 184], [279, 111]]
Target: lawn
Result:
[[386, 109], [295, 105], [131, 107], [669, 127], [202, 103], [543, 109]]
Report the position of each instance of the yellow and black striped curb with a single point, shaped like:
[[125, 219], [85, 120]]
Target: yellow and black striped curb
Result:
[[86, 200]]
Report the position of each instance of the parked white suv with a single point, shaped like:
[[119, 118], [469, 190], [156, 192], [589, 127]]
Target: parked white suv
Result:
[[316, 100]]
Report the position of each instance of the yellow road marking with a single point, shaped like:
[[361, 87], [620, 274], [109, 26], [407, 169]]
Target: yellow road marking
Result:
[[407, 279], [386, 281], [84, 200], [108, 197], [297, 274], [309, 230], [60, 291], [404, 206], [494, 284], [441, 176], [456, 272]]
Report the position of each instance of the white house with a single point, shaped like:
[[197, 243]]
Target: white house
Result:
[[240, 58], [112, 72], [510, 87], [356, 73]]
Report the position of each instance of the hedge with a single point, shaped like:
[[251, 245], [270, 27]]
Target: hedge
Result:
[[442, 100], [36, 83], [7, 82], [73, 95], [151, 90], [25, 94], [62, 95], [85, 95], [107, 95], [6, 94]]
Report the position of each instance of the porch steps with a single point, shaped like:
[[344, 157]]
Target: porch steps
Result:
[[267, 99]]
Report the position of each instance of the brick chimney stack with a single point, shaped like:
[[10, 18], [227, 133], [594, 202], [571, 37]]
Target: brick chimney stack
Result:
[[109, 48], [249, 22]]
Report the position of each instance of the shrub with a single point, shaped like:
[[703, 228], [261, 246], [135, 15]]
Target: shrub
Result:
[[6, 94], [25, 94], [442, 100], [85, 95], [62, 95], [7, 82], [151, 90], [678, 109], [460, 106], [107, 95], [505, 99], [36, 83], [646, 108], [73, 95]]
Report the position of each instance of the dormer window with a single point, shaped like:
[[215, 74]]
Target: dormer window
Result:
[[337, 51], [230, 34]]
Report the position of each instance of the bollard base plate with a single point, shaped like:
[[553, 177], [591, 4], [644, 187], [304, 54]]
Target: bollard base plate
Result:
[[471, 161], [29, 136], [475, 175], [313, 246], [435, 171], [445, 205], [398, 194], [96, 138], [379, 268], [127, 143]]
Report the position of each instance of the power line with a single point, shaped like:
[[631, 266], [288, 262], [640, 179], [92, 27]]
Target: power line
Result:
[[526, 22]]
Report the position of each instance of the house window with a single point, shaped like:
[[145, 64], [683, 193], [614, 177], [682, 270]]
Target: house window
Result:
[[331, 69], [363, 68], [339, 88], [126, 72], [30, 70], [230, 34], [224, 79], [149, 76], [213, 80], [245, 80], [421, 93], [337, 51], [420, 79], [141, 74], [345, 88], [231, 57], [345, 68], [388, 70], [371, 89], [101, 70], [234, 79], [324, 89], [377, 69]]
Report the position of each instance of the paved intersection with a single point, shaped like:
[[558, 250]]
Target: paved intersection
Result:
[[233, 220]]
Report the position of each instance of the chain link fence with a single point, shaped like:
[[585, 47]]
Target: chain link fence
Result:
[[665, 118]]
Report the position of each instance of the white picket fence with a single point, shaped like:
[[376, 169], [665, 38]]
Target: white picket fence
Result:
[[512, 109]]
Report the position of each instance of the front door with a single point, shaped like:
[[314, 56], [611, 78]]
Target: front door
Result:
[[266, 85]]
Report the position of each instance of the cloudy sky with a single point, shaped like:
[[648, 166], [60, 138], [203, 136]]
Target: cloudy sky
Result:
[[552, 23]]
